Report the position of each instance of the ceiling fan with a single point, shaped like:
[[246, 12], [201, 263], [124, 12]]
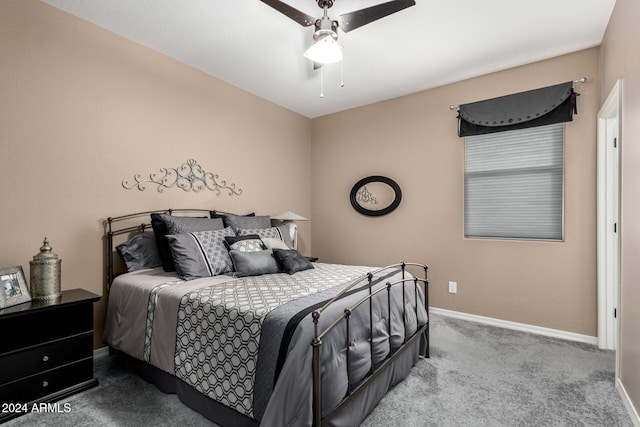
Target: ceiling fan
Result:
[[325, 49]]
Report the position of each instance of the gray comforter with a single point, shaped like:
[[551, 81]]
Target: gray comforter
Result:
[[246, 342]]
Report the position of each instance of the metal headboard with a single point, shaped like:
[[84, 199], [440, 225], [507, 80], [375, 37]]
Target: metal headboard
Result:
[[125, 224]]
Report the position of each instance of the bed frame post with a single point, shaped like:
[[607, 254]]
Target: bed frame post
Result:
[[426, 307], [109, 253], [389, 316], [317, 389], [347, 315], [370, 279]]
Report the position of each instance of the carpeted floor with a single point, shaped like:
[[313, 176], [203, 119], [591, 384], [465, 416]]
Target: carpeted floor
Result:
[[477, 376], [486, 376]]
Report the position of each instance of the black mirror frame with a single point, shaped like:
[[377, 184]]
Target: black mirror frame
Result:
[[376, 178]]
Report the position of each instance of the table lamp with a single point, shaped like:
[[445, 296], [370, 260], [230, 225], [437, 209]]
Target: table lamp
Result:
[[289, 218]]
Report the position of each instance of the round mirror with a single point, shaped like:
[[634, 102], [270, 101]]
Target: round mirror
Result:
[[375, 195]]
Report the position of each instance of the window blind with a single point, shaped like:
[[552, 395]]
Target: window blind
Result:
[[513, 184]]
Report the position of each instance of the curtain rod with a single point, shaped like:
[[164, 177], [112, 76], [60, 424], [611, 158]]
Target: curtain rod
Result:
[[580, 80]]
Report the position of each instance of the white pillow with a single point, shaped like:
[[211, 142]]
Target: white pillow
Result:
[[274, 243]]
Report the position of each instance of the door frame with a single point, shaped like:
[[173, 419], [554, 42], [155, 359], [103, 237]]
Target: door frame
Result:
[[608, 214]]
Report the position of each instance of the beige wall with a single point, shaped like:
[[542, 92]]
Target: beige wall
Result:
[[413, 140], [620, 60], [81, 109], [84, 109]]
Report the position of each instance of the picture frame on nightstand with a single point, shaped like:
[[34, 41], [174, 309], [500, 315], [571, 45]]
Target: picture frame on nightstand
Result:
[[13, 287]]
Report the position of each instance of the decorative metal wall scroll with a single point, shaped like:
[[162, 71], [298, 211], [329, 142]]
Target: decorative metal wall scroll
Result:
[[189, 176], [365, 196]]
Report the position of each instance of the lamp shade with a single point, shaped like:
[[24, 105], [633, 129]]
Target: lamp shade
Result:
[[325, 50], [288, 219], [289, 216]]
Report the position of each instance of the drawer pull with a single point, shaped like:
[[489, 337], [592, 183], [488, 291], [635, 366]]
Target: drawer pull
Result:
[[45, 358], [45, 384]]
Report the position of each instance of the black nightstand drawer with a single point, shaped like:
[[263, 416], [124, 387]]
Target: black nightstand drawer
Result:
[[46, 349], [44, 357], [40, 326], [36, 386]]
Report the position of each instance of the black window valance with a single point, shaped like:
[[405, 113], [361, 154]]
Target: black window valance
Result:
[[538, 107]]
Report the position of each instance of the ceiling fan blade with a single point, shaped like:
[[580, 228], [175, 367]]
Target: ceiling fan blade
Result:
[[293, 13], [356, 19]]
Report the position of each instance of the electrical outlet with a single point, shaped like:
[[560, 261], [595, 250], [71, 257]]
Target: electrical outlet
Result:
[[453, 287]]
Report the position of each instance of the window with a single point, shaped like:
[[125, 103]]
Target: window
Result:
[[513, 184]]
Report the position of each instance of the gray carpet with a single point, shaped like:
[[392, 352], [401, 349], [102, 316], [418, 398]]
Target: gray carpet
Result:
[[477, 376]]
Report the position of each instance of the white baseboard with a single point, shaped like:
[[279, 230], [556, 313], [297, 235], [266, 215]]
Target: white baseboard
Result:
[[101, 352], [635, 418], [555, 333]]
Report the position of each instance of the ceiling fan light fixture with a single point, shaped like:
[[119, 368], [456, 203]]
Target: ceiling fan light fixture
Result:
[[325, 50]]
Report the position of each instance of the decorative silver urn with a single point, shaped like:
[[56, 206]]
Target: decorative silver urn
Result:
[[45, 274]]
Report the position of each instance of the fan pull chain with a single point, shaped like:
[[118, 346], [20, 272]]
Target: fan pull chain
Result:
[[322, 78]]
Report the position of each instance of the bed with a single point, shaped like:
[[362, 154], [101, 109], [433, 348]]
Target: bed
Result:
[[299, 344]]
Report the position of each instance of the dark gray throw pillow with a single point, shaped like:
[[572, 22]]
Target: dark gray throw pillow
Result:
[[164, 224], [254, 263], [220, 214], [291, 261], [140, 252]]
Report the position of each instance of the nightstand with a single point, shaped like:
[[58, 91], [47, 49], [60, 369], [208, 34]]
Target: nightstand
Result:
[[46, 351]]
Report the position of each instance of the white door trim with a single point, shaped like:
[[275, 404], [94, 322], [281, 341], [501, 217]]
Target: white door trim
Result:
[[608, 246]]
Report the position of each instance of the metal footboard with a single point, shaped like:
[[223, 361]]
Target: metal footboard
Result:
[[319, 335]]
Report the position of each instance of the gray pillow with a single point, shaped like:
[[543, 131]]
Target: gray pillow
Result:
[[140, 252], [238, 221], [254, 263], [291, 261], [164, 224], [201, 253], [220, 214]]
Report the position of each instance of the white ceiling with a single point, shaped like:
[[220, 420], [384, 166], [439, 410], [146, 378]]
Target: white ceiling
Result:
[[251, 46]]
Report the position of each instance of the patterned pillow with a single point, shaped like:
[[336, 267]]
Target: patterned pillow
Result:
[[272, 232], [249, 243], [201, 253], [164, 224], [291, 261]]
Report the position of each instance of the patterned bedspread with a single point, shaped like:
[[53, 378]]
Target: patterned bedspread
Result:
[[219, 328], [225, 336]]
